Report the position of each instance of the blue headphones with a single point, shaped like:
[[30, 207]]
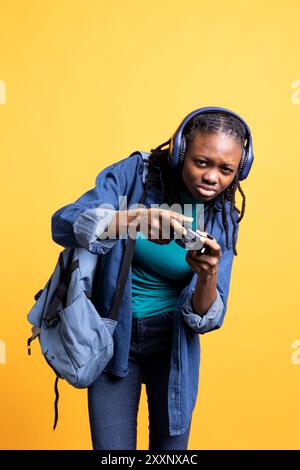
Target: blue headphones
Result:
[[178, 142]]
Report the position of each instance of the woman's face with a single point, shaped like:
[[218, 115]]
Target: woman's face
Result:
[[210, 164]]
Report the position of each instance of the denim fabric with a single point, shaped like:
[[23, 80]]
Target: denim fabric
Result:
[[114, 401], [206, 322], [77, 224]]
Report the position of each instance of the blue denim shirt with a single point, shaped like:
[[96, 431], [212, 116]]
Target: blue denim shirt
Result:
[[79, 224]]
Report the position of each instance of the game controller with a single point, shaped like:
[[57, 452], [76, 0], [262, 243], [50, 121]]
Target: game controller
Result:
[[191, 238]]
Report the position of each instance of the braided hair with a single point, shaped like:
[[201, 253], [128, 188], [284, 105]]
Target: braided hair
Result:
[[209, 122]]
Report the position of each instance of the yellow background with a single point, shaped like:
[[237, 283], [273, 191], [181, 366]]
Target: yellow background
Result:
[[87, 83]]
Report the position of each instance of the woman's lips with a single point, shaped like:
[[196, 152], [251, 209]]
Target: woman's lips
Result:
[[204, 191]]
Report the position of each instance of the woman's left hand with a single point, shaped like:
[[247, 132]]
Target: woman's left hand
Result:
[[205, 265]]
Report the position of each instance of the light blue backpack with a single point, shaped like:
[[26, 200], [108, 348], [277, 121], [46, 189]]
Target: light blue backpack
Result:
[[75, 340]]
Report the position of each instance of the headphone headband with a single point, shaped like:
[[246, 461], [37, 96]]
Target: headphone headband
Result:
[[178, 142]]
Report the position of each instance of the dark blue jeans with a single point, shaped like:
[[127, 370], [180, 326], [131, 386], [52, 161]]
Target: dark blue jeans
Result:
[[114, 401]]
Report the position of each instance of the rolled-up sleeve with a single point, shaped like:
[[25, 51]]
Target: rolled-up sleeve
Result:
[[206, 322], [90, 225], [81, 223], [214, 317]]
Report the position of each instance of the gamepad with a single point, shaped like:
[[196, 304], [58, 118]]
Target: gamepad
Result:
[[190, 239]]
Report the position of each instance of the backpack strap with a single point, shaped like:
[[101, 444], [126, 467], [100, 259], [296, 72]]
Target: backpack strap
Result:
[[127, 258], [35, 333], [51, 318], [56, 402]]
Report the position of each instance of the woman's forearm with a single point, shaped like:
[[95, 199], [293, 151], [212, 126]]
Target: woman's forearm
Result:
[[205, 293]]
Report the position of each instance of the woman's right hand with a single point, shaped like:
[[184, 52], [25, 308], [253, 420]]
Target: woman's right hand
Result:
[[160, 225]]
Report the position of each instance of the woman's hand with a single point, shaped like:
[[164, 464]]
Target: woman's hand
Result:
[[205, 265], [160, 225]]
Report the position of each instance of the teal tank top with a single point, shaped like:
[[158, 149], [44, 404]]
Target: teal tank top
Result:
[[160, 272]]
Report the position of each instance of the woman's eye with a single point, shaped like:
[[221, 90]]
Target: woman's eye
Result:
[[204, 162]]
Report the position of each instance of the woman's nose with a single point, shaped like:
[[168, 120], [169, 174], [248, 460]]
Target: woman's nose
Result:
[[211, 177]]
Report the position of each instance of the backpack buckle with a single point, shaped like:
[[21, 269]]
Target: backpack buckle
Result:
[[51, 322]]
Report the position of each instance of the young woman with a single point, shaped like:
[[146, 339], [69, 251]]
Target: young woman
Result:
[[172, 294]]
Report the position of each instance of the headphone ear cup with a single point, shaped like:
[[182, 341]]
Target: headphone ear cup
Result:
[[182, 148], [243, 160]]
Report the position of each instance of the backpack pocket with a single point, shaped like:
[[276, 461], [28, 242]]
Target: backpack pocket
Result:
[[80, 345], [84, 332]]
